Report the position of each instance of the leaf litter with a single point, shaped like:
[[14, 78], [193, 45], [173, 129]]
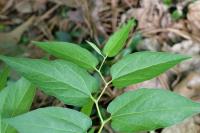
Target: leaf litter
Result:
[[96, 20]]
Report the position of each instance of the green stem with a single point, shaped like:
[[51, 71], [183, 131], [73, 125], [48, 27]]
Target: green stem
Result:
[[96, 101], [103, 124], [104, 59], [101, 128], [104, 89], [99, 112], [100, 74]]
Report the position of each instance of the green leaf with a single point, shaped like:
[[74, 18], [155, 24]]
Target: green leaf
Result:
[[177, 14], [95, 48], [137, 38], [66, 81], [15, 99], [168, 2], [0, 123], [51, 120], [92, 130], [149, 109], [118, 39], [70, 52], [3, 77], [5, 128], [141, 66], [87, 108]]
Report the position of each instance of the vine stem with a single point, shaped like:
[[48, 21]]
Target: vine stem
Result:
[[99, 112], [99, 72], [104, 59], [103, 124], [102, 92], [96, 101]]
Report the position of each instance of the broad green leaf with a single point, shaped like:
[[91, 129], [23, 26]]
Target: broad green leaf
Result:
[[5, 128], [70, 52], [3, 77], [87, 108], [0, 124], [177, 14], [15, 99], [66, 81], [141, 66], [168, 2], [92, 130], [117, 41], [149, 109], [95, 48], [137, 38], [51, 120]]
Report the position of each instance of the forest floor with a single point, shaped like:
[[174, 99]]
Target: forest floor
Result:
[[162, 25]]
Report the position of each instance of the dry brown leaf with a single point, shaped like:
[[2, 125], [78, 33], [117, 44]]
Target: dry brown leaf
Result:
[[187, 47], [109, 14], [24, 6], [152, 15], [188, 126], [6, 6], [151, 44], [160, 82], [76, 16], [40, 5], [70, 3], [2, 3], [190, 65], [189, 86], [8, 41], [194, 17]]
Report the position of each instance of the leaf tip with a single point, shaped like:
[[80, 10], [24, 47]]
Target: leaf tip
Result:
[[3, 58], [88, 41], [37, 43], [185, 57], [132, 22]]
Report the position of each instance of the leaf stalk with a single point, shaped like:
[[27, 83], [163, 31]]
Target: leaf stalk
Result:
[[96, 101]]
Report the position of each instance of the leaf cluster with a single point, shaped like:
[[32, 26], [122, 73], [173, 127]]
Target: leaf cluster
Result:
[[70, 79]]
